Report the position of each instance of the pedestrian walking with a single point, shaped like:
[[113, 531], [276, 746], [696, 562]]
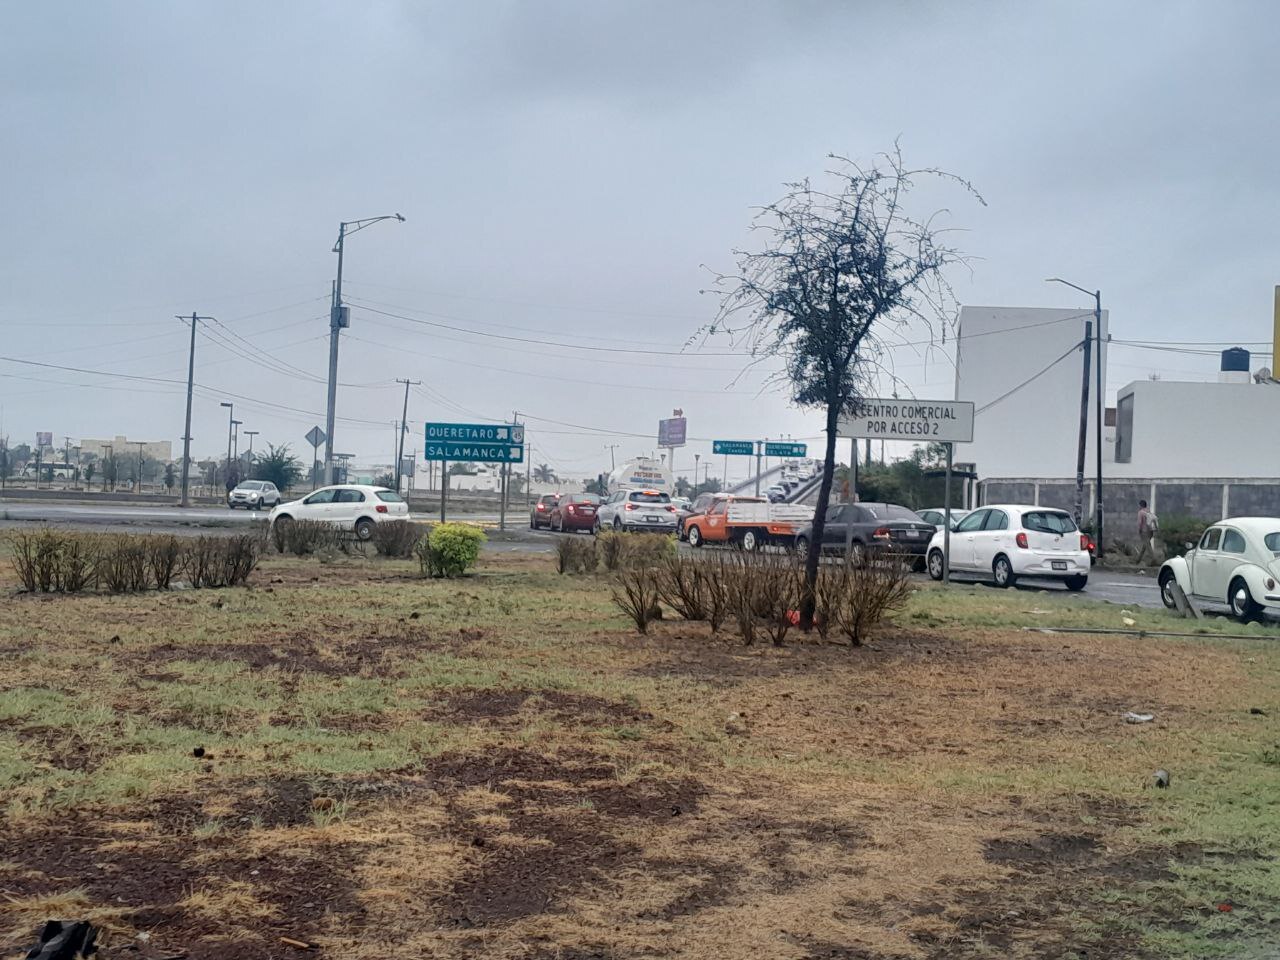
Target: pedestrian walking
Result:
[[1148, 524]]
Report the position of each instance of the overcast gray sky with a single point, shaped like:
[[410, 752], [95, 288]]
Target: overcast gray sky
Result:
[[566, 170]]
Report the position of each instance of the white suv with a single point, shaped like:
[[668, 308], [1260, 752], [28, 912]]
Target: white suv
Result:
[[1006, 542], [254, 495], [633, 510], [351, 507]]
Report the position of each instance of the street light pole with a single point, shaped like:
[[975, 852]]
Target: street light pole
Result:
[[251, 434], [338, 320], [141, 444], [1099, 406], [231, 419]]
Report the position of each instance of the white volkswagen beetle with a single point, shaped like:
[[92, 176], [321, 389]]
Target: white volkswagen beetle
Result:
[[1236, 562]]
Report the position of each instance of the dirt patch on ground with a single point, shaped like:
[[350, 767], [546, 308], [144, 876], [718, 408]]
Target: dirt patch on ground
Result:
[[502, 706]]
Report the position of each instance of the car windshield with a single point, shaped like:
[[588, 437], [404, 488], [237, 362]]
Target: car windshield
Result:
[[1048, 521], [390, 496], [649, 496], [590, 498], [250, 485], [1272, 541]]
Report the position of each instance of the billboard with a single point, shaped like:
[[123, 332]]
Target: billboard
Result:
[[44, 439], [671, 433]]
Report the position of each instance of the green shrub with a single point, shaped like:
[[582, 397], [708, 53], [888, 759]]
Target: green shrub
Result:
[[576, 555], [397, 538], [610, 544], [618, 550], [450, 550], [1177, 531]]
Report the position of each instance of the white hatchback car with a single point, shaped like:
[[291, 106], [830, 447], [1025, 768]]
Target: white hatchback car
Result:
[[349, 506], [1008, 542], [1236, 562], [632, 510]]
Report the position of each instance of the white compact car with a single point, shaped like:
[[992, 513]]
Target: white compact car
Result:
[[1236, 562], [254, 495], [349, 506], [635, 510], [1009, 542]]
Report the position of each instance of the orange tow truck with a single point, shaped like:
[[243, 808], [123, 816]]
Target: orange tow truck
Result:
[[748, 522]]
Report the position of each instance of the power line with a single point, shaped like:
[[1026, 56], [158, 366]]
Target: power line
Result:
[[1030, 379]]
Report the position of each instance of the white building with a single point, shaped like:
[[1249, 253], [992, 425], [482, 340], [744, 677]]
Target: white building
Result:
[[161, 450], [1021, 368]]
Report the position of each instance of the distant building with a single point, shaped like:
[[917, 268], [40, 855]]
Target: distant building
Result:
[[161, 450], [1020, 368]]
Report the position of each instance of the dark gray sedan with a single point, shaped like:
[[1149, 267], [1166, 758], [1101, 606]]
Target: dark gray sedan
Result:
[[875, 527]]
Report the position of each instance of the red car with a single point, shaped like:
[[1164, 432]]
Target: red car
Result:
[[540, 515], [575, 511]]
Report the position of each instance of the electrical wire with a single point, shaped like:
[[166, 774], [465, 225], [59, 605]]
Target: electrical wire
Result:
[[1036, 376]]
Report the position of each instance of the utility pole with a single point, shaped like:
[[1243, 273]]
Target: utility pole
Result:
[[611, 447], [235, 442], [66, 450], [759, 455], [1101, 406], [697, 457], [186, 433], [404, 425], [251, 434], [140, 444], [339, 317], [1084, 423], [231, 419]]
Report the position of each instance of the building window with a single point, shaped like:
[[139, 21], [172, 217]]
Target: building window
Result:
[[1124, 429]]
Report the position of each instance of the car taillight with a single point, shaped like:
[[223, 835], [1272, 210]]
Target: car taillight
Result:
[[1021, 540], [381, 508], [541, 507], [1085, 542], [882, 533], [570, 509], [630, 506]]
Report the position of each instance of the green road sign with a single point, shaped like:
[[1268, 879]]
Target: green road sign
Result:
[[484, 433], [786, 450], [464, 452], [733, 448]]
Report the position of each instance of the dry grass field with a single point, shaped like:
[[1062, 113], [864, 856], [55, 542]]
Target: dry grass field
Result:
[[347, 757]]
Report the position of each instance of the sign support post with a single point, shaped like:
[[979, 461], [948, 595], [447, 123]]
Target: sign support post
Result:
[[946, 519], [444, 488], [759, 456]]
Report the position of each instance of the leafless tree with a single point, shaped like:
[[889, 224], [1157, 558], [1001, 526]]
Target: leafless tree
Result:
[[842, 272]]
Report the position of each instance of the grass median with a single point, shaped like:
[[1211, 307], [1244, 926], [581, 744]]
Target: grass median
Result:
[[348, 756]]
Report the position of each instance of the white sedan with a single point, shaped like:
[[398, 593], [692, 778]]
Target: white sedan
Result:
[[1234, 563], [1007, 542], [348, 506]]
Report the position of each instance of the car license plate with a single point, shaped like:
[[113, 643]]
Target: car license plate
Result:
[[913, 534], [651, 519], [1059, 564]]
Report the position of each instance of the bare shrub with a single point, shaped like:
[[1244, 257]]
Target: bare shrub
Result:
[[220, 561], [78, 567], [122, 563], [576, 555], [164, 554], [635, 592], [776, 592], [397, 538], [24, 549], [715, 585], [877, 587], [304, 537], [647, 549], [52, 561], [682, 587]]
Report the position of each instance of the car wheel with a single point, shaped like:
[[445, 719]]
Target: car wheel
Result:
[[1243, 607], [1002, 571], [1167, 579], [1076, 584], [617, 525], [695, 537], [918, 565], [750, 542], [802, 546], [364, 528], [595, 527], [935, 564]]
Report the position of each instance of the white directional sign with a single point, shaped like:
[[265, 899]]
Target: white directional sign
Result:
[[917, 421]]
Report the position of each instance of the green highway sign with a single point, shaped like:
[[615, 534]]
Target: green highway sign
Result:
[[440, 450], [490, 433], [734, 448], [786, 450], [476, 442]]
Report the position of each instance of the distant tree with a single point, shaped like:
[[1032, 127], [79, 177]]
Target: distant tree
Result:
[[841, 268], [6, 463], [387, 479], [709, 485], [170, 477], [683, 487], [542, 473], [462, 470], [21, 455], [89, 468], [597, 486], [278, 466], [110, 471], [515, 484]]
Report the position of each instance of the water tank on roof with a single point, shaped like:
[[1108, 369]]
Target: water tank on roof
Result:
[[1235, 366]]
